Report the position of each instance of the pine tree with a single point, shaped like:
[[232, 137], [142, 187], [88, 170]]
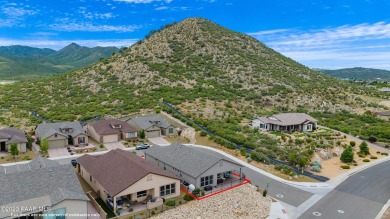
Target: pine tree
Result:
[[347, 155], [364, 148]]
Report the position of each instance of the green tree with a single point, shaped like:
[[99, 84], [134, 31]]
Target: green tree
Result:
[[142, 134], [44, 146], [364, 148], [14, 150], [347, 155]]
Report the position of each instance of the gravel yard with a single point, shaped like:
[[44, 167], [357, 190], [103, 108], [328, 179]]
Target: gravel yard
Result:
[[240, 202]]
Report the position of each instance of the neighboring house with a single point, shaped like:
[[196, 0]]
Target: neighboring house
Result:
[[61, 134], [154, 126], [384, 115], [9, 136], [289, 122], [110, 130], [190, 164], [385, 89], [120, 173], [40, 185]]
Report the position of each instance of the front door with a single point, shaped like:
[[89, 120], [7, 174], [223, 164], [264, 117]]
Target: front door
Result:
[[2, 146]]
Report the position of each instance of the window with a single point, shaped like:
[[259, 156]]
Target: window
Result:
[[309, 127], [55, 214], [168, 189], [116, 126], [81, 140], [90, 178], [262, 126], [170, 130], [141, 194], [207, 180], [131, 135]]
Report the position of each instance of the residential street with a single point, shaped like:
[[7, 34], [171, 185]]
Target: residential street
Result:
[[361, 196]]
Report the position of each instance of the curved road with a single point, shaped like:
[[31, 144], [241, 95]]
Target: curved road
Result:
[[361, 196]]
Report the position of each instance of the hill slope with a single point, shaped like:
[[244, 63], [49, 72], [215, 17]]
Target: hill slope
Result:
[[204, 69], [24, 63], [358, 73]]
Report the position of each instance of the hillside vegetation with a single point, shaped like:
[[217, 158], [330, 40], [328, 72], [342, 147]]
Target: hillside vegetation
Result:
[[205, 70], [26, 63], [358, 73]]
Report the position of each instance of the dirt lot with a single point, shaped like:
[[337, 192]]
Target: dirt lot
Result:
[[331, 168]]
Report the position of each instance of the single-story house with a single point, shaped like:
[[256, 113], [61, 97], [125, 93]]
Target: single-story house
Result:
[[61, 134], [385, 89], [154, 126], [383, 115], [41, 186], [9, 136], [110, 130], [191, 165], [290, 122], [120, 174]]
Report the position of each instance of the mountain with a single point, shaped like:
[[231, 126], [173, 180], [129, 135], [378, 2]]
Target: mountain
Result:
[[205, 70], [26, 63], [24, 51], [358, 73]]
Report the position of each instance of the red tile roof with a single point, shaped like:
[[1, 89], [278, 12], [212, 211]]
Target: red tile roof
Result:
[[118, 169]]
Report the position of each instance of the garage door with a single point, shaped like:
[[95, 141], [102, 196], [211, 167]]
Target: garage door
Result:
[[57, 143], [110, 138], [153, 134]]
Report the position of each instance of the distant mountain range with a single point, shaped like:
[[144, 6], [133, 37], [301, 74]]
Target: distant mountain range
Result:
[[26, 63], [357, 73]]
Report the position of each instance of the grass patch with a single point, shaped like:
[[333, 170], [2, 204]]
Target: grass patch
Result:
[[278, 133], [110, 214]]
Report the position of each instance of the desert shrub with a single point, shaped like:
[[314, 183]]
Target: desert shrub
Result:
[[188, 197], [372, 139], [352, 143], [347, 155], [203, 133], [384, 153], [170, 202], [243, 151], [345, 167], [249, 159], [196, 191], [101, 145], [366, 160], [364, 148], [373, 157], [316, 169]]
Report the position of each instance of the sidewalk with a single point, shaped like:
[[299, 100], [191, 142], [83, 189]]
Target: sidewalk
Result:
[[277, 211]]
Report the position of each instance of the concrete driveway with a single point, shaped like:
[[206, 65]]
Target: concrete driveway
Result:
[[58, 152], [114, 145], [160, 141]]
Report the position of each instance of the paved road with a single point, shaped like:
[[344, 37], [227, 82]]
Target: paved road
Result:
[[361, 196]]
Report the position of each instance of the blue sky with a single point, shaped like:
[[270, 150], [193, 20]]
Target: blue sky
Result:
[[320, 34]]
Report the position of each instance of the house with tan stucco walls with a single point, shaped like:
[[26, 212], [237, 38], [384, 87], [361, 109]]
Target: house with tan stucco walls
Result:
[[110, 130], [61, 134], [43, 187], [122, 175], [9, 136]]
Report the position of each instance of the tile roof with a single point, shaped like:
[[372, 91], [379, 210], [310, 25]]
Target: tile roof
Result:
[[13, 135], [147, 121], [117, 169], [184, 158], [45, 130], [287, 119], [104, 127], [39, 180]]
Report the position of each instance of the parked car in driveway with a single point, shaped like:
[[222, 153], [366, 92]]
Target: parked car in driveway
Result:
[[142, 146], [74, 163]]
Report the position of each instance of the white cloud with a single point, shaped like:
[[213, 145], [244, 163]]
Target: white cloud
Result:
[[18, 12], [161, 8], [89, 27], [58, 44], [363, 45], [143, 1]]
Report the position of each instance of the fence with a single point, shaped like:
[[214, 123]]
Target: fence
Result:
[[99, 209]]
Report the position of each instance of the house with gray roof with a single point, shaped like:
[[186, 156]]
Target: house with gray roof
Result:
[[61, 134], [385, 89], [192, 165], [154, 126], [41, 186], [288, 122], [9, 136]]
